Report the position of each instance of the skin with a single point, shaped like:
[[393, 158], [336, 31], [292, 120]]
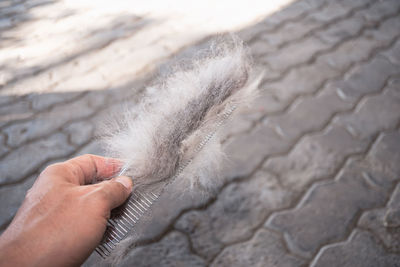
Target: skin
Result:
[[63, 216]]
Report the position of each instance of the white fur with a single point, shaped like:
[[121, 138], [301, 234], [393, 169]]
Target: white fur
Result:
[[154, 138]]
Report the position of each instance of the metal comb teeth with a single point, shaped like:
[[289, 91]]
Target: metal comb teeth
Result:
[[123, 219]]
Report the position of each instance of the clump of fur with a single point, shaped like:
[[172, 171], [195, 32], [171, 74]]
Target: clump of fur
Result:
[[176, 114]]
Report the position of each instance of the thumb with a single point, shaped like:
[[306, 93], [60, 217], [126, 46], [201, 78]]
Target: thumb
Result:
[[116, 190]]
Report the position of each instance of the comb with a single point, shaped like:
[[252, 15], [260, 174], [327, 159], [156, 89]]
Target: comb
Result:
[[124, 218], [167, 134]]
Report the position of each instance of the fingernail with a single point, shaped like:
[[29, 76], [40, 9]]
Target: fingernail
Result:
[[125, 181]]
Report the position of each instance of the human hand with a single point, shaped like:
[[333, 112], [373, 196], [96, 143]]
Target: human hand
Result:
[[64, 216]]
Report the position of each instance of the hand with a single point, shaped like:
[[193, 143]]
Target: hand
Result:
[[64, 216]]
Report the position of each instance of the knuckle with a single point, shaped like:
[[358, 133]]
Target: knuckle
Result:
[[52, 168], [102, 194]]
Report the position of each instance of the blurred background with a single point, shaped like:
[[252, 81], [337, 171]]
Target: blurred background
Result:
[[314, 163]]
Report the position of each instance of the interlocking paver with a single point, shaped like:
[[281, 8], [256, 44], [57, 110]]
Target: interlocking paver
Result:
[[264, 249], [45, 101], [289, 32], [3, 148], [388, 29], [11, 197], [333, 203], [301, 80], [330, 12], [309, 113], [15, 111], [245, 152], [241, 124], [327, 110], [383, 109], [26, 159], [172, 250], [366, 79], [350, 52], [315, 157], [393, 54], [292, 11], [380, 9], [48, 121], [342, 30], [239, 209], [79, 132], [356, 3], [384, 155], [383, 224], [295, 53], [362, 250]]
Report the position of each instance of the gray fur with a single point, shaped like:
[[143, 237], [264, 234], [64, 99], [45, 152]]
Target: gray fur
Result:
[[175, 115]]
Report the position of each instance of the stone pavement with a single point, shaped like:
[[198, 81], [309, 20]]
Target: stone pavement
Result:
[[314, 164]]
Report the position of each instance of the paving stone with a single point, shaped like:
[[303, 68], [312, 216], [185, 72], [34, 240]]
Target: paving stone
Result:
[[261, 48], [46, 100], [238, 125], [392, 218], [280, 50], [368, 78], [393, 54], [164, 212], [384, 155], [93, 147], [355, 3], [387, 30], [264, 249], [26, 159], [93, 79], [361, 249], [245, 152], [295, 53], [172, 250], [308, 114], [3, 148], [268, 101], [384, 222], [11, 198], [252, 33], [79, 132], [334, 203], [239, 209], [300, 81], [19, 110], [289, 32], [198, 225], [374, 220], [47, 122], [342, 30], [5, 23], [315, 157], [380, 9], [12, 10], [374, 114], [331, 11], [8, 99], [350, 52], [290, 12]]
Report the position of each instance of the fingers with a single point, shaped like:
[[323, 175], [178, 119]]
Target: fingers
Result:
[[88, 167], [114, 192]]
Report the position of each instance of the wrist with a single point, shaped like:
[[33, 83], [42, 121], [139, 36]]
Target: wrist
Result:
[[11, 252]]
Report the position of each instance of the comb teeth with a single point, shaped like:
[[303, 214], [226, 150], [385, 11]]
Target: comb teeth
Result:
[[130, 212], [120, 224]]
